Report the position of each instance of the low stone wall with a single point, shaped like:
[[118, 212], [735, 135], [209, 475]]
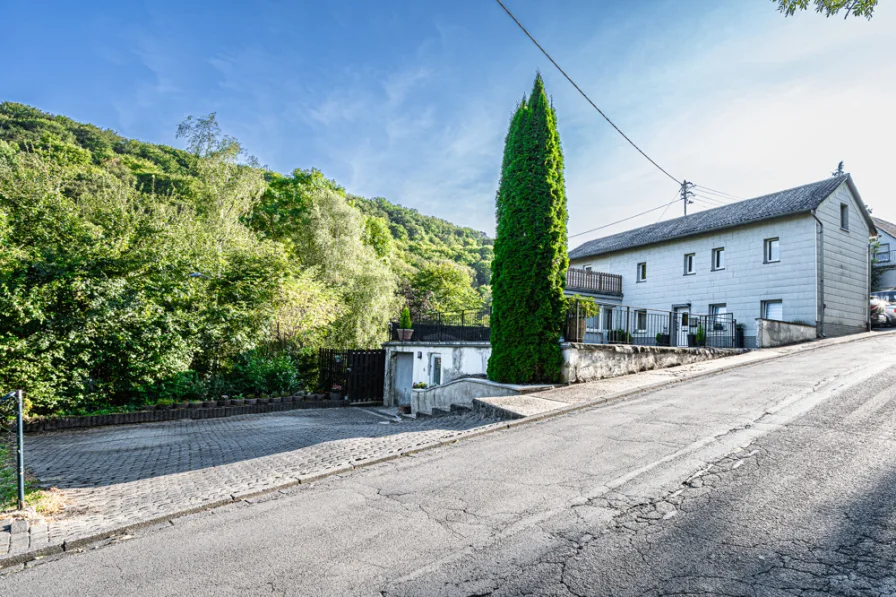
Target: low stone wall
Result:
[[771, 333], [589, 362], [462, 392], [175, 414]]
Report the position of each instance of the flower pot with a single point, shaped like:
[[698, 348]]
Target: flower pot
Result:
[[692, 340], [196, 404], [575, 330], [277, 400], [405, 335], [164, 406], [251, 401], [182, 405], [664, 340], [263, 400], [209, 404]]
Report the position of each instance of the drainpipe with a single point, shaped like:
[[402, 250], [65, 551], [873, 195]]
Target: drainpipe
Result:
[[819, 275]]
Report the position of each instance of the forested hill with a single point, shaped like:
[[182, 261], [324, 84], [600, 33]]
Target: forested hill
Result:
[[134, 272], [418, 238]]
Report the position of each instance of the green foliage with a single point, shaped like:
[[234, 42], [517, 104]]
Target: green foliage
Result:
[[619, 336], [443, 286], [584, 306], [133, 272], [528, 273], [405, 321], [701, 335], [857, 8]]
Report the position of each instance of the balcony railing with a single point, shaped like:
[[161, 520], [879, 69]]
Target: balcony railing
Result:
[[885, 259], [597, 282], [452, 326]]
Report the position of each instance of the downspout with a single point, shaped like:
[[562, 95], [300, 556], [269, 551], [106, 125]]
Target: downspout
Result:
[[819, 276]]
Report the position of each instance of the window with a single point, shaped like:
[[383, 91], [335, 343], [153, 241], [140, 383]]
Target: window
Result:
[[587, 268], [844, 216], [718, 317], [641, 320], [718, 259], [689, 264], [883, 253], [772, 250], [642, 272], [773, 310], [435, 369]]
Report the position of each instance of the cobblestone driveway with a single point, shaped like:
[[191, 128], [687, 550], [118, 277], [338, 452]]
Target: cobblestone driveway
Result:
[[115, 476]]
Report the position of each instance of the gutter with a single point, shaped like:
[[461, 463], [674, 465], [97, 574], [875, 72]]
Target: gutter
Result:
[[819, 275]]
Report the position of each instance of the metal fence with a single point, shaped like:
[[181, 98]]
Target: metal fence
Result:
[[356, 375], [617, 324], [14, 399], [450, 326]]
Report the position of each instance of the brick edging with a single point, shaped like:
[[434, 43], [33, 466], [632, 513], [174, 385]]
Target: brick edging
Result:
[[176, 414]]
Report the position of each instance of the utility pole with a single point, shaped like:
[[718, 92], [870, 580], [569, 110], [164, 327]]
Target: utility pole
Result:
[[686, 194]]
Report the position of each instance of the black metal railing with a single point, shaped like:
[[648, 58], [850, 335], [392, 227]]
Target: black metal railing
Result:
[[885, 258], [472, 325], [616, 324], [355, 375], [588, 281]]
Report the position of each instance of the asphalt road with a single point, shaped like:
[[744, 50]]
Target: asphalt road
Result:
[[772, 479]]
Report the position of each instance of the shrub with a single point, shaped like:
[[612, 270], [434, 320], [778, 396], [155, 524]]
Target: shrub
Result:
[[405, 321], [701, 335]]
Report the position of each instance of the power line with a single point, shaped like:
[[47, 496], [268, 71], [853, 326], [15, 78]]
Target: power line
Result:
[[664, 212], [579, 89], [710, 200], [624, 219], [735, 197]]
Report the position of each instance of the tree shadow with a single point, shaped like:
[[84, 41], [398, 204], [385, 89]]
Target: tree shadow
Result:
[[305, 439]]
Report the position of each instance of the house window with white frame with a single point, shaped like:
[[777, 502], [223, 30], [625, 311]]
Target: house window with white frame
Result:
[[773, 309], [435, 369], [689, 264], [772, 250], [718, 259], [718, 317], [844, 217], [641, 321], [642, 272]]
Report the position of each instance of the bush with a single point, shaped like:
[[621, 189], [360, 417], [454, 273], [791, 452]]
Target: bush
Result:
[[405, 322], [258, 373]]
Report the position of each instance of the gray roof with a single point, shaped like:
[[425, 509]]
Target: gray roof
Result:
[[888, 227], [767, 207]]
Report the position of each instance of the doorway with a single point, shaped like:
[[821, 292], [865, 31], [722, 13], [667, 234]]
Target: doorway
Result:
[[404, 378], [682, 325]]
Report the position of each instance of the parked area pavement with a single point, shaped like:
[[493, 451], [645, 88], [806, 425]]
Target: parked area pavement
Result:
[[769, 479], [114, 477]]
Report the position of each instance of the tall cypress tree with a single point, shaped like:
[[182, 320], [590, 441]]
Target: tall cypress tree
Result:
[[529, 268]]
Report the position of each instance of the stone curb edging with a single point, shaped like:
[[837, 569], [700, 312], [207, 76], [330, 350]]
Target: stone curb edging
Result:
[[66, 546], [174, 414]]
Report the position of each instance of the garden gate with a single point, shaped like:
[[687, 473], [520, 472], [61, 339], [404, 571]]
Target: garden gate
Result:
[[356, 375]]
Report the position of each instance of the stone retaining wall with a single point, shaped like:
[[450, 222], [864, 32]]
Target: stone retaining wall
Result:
[[175, 414], [589, 362], [770, 333]]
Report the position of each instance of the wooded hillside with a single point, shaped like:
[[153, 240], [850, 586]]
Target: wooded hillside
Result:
[[132, 272]]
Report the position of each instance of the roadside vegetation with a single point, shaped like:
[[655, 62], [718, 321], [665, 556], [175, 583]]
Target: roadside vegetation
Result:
[[132, 272]]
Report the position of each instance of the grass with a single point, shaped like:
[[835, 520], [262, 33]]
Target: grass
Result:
[[43, 501]]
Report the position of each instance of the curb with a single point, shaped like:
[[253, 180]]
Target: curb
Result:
[[506, 425]]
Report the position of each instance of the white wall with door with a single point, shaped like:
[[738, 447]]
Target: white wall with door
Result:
[[410, 363]]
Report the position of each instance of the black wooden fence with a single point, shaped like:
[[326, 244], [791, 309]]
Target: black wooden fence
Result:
[[356, 375]]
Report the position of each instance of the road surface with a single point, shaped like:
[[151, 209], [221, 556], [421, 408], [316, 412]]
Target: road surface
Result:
[[772, 479]]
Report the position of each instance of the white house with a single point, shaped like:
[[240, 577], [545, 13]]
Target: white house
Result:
[[885, 259], [800, 255]]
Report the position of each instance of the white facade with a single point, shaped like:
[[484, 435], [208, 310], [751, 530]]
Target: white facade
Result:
[[813, 266]]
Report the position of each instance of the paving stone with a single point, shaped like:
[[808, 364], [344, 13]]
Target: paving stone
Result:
[[116, 476]]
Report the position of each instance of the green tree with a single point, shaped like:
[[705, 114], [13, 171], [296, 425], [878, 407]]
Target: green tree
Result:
[[858, 8], [528, 271], [445, 286]]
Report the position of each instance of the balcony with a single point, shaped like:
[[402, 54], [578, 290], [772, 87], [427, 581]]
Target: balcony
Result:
[[584, 280]]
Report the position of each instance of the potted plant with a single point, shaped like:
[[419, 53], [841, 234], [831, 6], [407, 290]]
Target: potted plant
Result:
[[662, 339], [164, 404], [739, 335], [698, 339], [579, 310], [420, 385], [619, 336], [405, 324]]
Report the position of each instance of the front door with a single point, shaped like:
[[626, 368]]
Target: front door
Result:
[[682, 326], [404, 376]]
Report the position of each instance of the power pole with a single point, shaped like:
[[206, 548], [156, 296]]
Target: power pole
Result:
[[686, 194]]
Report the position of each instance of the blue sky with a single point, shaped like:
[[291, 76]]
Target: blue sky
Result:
[[410, 100]]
